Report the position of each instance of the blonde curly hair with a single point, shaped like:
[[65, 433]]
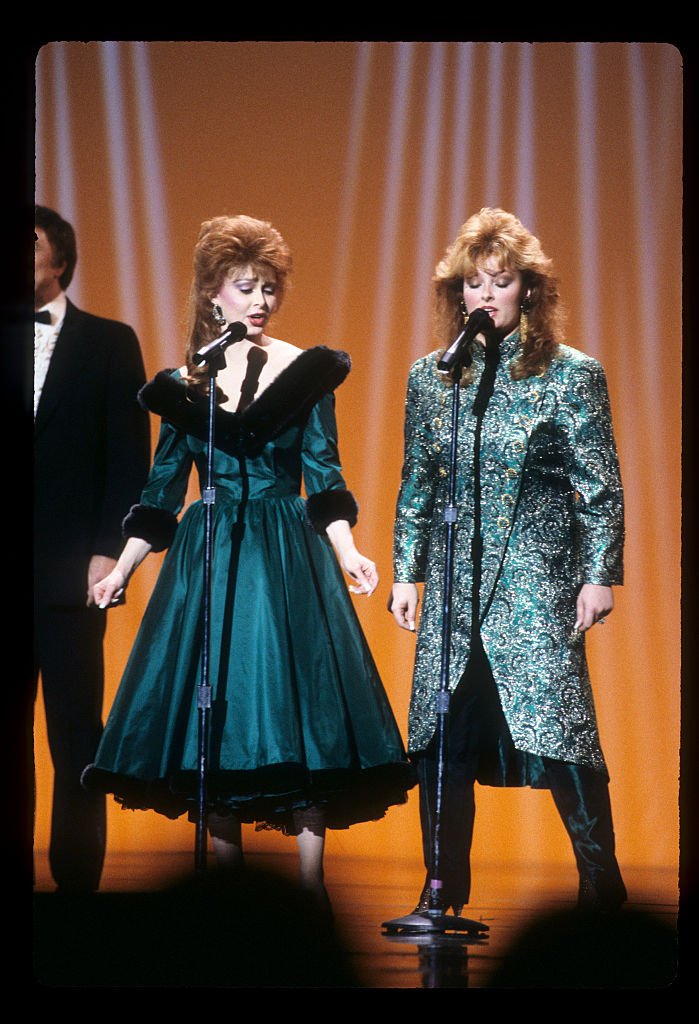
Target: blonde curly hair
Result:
[[495, 234]]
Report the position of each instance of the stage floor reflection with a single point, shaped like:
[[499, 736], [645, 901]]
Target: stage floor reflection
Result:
[[533, 938]]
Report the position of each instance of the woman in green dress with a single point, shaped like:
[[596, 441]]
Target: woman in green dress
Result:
[[302, 735]]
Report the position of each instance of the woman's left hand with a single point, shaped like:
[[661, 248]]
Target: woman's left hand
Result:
[[362, 570], [593, 605]]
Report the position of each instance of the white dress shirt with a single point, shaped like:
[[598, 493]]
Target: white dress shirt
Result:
[[45, 336]]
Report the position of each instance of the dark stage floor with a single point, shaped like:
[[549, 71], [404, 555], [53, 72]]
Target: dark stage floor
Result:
[[156, 924]]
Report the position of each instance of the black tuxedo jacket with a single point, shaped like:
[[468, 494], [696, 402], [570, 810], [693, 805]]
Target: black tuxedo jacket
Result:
[[92, 450]]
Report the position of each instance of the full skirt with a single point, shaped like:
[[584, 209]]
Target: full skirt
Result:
[[298, 715]]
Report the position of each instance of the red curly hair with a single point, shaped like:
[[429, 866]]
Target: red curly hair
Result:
[[224, 245]]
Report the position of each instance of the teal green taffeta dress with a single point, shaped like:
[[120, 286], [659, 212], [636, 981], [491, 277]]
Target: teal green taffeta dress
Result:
[[299, 715]]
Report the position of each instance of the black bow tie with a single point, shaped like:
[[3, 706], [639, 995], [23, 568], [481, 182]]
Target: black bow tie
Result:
[[42, 317]]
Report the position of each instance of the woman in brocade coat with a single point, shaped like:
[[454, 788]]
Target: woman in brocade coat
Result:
[[551, 513], [302, 735]]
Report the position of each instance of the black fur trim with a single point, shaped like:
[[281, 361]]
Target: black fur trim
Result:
[[178, 404], [326, 507], [291, 395], [155, 525], [314, 373]]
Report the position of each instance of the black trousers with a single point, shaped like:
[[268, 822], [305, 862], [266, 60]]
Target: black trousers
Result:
[[68, 654], [477, 738]]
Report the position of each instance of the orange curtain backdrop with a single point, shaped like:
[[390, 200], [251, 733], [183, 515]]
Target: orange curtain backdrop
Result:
[[368, 156]]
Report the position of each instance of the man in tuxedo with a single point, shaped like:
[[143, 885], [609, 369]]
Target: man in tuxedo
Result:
[[92, 452]]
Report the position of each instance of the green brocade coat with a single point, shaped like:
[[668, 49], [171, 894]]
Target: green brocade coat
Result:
[[552, 510]]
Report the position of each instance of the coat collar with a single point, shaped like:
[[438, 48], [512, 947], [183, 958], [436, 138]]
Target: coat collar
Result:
[[509, 348]]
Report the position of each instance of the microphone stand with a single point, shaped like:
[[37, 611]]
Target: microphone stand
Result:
[[213, 356], [436, 920]]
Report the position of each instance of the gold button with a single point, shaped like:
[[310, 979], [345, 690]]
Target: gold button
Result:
[[507, 499], [442, 471], [503, 522], [511, 471], [518, 446]]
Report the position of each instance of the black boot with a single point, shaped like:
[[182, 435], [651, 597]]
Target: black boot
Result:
[[456, 833], [581, 796]]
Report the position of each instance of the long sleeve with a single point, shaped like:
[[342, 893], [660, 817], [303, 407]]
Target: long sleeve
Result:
[[166, 487], [328, 497], [595, 476], [320, 454], [125, 437], [417, 491], [155, 518]]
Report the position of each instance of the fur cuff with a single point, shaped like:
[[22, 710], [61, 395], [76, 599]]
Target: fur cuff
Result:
[[326, 507], [154, 525], [314, 373]]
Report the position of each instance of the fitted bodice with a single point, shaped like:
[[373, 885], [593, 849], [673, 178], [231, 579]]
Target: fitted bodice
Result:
[[276, 472], [302, 450]]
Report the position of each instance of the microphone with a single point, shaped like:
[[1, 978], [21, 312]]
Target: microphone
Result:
[[478, 322], [257, 358], [234, 332]]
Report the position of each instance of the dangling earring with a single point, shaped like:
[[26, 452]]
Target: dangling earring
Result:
[[464, 312], [524, 319], [217, 314]]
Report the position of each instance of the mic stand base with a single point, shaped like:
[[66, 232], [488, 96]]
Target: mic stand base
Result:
[[428, 922]]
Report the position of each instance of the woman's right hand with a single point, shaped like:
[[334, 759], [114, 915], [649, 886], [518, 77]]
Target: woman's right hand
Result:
[[404, 602], [109, 590], [111, 587]]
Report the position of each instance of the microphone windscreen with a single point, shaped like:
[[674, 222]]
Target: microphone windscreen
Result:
[[481, 320], [238, 330]]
